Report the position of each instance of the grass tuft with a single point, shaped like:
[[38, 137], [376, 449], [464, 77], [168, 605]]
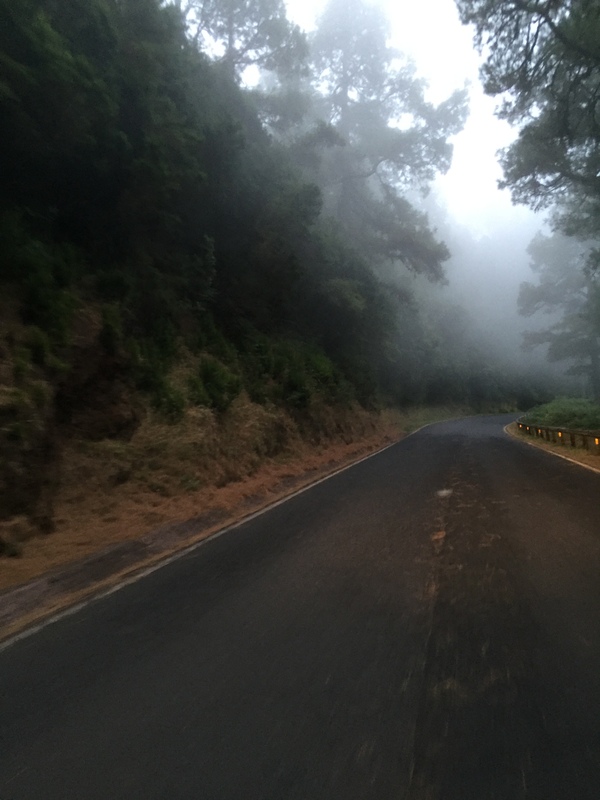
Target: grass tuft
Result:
[[568, 412]]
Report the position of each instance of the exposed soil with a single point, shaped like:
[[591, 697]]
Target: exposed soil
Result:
[[124, 506], [92, 524], [99, 545]]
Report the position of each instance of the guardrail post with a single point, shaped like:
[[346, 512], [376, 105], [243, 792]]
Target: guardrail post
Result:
[[590, 440]]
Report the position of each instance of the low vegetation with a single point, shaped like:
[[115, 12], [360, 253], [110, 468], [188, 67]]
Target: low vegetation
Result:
[[208, 466], [567, 412]]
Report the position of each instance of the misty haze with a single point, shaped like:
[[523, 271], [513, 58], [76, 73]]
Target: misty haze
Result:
[[299, 399]]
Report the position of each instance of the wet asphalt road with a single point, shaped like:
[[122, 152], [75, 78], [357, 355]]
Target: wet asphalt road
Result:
[[368, 638]]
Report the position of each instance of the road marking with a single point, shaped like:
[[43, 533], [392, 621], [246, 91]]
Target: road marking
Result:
[[513, 435], [445, 492], [143, 573]]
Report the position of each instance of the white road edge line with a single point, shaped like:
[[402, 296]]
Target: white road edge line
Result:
[[143, 573], [550, 452]]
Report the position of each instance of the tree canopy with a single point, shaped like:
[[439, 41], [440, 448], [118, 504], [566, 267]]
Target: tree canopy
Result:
[[390, 138], [265, 227], [542, 58], [246, 33], [569, 293]]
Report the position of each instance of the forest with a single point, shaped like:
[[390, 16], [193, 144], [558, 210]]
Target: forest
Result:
[[542, 60], [267, 226], [200, 201]]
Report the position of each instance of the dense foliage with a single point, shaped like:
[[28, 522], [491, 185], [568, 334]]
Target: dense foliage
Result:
[[543, 60], [265, 230], [570, 294], [574, 413]]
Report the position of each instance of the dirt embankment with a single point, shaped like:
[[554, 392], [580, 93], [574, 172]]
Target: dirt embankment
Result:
[[105, 532], [87, 462], [207, 467], [123, 505]]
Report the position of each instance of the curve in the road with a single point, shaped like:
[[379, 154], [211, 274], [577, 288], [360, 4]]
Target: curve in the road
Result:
[[424, 624]]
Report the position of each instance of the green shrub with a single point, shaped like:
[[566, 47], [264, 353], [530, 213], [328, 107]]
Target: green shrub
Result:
[[169, 401], [568, 412], [56, 366], [149, 373], [67, 264], [327, 379], [296, 392], [257, 391], [261, 350], [47, 307], [43, 272], [197, 394], [111, 334], [210, 339], [343, 392], [290, 372], [222, 386], [321, 368], [113, 285], [149, 369]]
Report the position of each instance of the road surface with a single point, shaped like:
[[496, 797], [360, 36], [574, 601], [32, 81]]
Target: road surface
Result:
[[425, 624]]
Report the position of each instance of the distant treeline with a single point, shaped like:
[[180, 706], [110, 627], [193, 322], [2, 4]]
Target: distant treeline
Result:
[[265, 227], [543, 61]]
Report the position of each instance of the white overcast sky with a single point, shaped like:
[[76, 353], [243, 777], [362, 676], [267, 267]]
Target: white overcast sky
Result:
[[431, 33]]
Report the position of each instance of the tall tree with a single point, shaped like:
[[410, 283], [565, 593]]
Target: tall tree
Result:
[[244, 33], [370, 92], [569, 292], [391, 138], [543, 60]]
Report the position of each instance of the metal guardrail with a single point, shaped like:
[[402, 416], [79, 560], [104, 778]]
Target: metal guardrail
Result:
[[589, 440]]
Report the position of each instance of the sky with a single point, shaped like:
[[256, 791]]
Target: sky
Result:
[[442, 49]]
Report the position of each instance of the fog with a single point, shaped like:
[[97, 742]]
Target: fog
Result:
[[318, 185], [431, 34], [486, 233]]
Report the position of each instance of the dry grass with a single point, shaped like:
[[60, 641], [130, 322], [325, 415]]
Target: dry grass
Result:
[[113, 491]]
